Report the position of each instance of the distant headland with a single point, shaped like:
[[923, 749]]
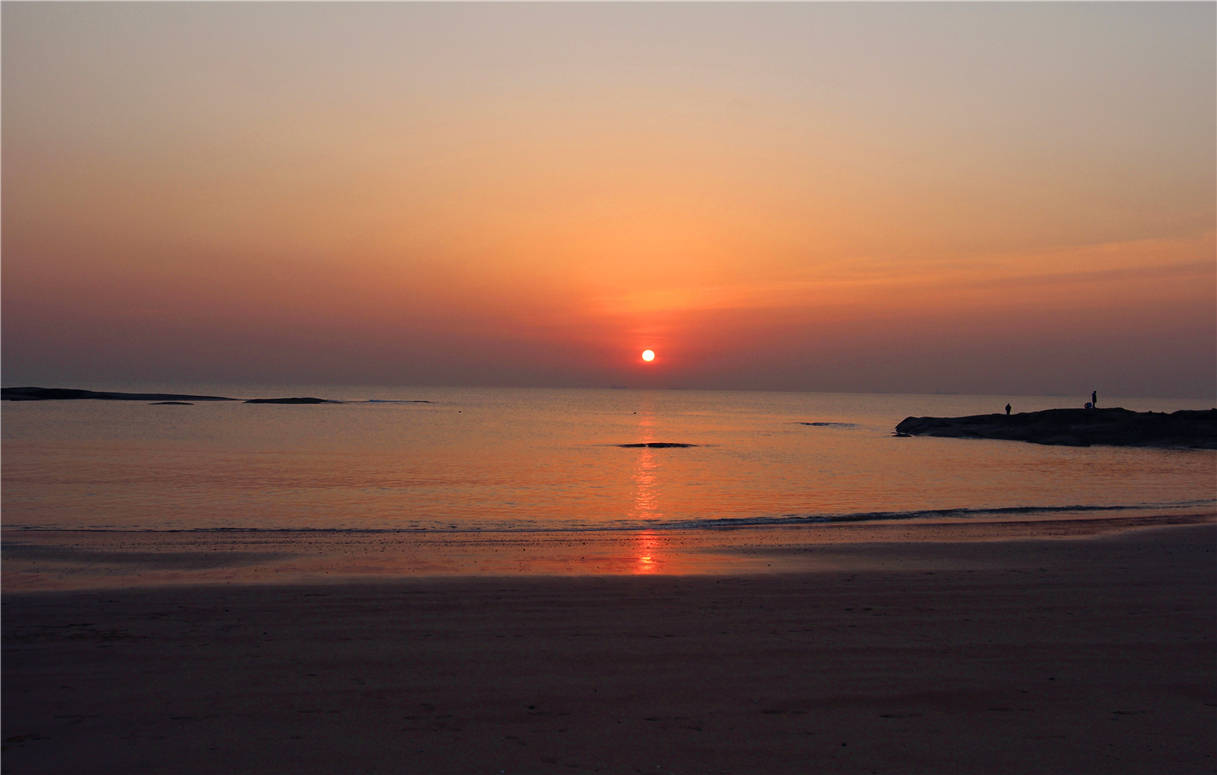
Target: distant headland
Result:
[[1077, 427], [74, 394]]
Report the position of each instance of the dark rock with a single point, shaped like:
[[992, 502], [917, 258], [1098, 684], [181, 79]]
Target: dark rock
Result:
[[657, 444], [1077, 427], [72, 394], [304, 400]]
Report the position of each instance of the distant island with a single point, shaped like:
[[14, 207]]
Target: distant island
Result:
[[74, 394], [1077, 427]]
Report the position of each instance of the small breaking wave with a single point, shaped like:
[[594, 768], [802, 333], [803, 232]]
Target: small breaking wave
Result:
[[792, 520], [809, 520]]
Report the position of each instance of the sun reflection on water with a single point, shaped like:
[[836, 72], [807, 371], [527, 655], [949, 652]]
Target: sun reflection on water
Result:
[[646, 499]]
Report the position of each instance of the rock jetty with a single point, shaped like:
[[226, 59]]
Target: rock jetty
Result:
[[1077, 427]]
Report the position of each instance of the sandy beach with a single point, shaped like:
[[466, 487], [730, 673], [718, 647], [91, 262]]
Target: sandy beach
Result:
[[1017, 656]]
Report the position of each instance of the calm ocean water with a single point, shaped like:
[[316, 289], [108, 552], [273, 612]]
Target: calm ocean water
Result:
[[549, 460]]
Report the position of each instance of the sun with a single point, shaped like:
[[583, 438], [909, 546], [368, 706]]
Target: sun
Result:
[[648, 355]]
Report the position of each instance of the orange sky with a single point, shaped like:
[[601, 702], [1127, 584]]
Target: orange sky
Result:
[[968, 197]]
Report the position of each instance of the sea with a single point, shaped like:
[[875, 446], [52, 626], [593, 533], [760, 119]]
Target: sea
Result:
[[503, 467]]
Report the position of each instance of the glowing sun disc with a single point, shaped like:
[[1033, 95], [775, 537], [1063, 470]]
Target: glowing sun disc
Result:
[[648, 355]]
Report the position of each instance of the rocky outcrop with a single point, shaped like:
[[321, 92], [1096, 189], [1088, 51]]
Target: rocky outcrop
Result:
[[1077, 427], [303, 400], [656, 444]]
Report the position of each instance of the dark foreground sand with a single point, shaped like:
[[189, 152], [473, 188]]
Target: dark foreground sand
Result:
[[1076, 656]]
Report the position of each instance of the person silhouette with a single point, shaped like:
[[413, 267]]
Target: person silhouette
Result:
[[1094, 398], [1007, 410]]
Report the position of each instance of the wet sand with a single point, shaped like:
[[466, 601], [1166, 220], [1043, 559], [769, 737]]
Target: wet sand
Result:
[[1013, 656], [41, 560]]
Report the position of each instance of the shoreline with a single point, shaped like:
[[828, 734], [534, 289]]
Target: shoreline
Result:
[[104, 559], [1094, 657]]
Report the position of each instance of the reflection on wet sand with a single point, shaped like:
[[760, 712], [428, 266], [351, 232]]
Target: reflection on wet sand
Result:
[[645, 549]]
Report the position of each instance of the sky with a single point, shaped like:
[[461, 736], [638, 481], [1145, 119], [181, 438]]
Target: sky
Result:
[[973, 197]]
